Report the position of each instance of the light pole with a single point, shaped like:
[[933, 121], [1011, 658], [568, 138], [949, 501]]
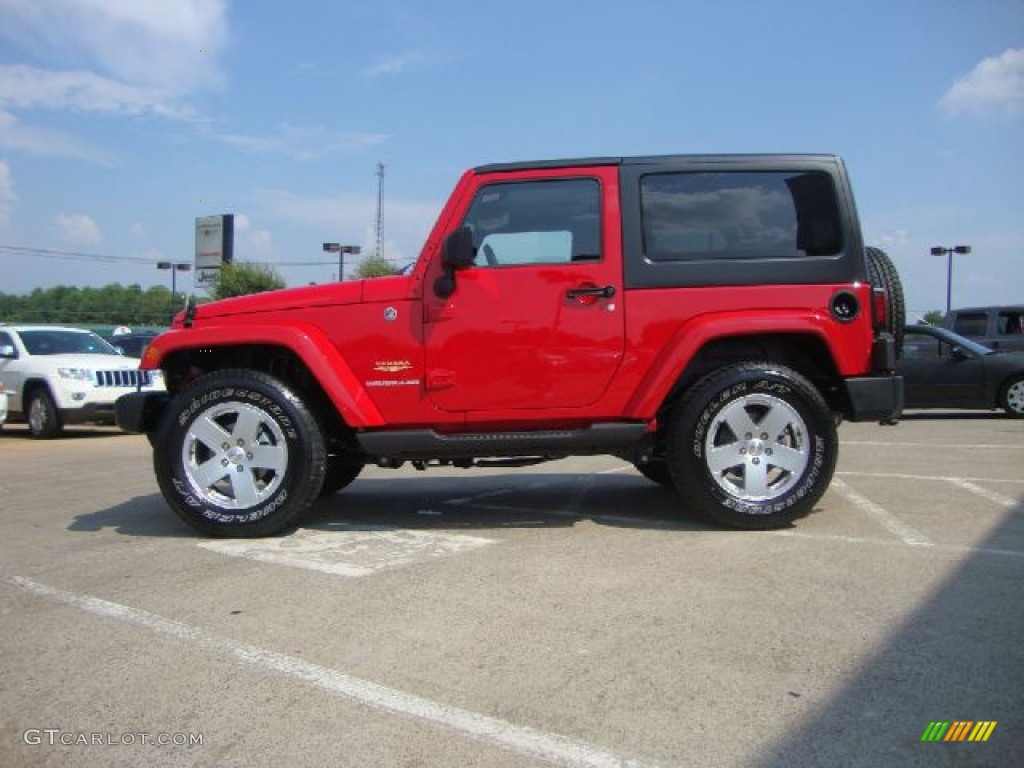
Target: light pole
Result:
[[341, 250], [175, 267], [940, 250]]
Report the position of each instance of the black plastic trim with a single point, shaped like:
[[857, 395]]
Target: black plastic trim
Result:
[[874, 398], [140, 411], [428, 444]]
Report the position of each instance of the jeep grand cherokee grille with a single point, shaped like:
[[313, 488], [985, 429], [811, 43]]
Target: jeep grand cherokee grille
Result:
[[128, 378]]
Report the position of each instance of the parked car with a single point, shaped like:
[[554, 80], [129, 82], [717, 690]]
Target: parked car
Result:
[[56, 376], [1001, 328], [132, 344], [942, 369]]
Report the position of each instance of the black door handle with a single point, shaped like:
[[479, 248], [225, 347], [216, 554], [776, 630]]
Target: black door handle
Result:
[[605, 292]]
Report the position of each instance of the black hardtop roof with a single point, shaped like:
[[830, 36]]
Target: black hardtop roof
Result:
[[582, 162]]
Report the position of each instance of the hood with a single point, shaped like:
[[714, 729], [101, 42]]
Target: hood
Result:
[[330, 294], [90, 362]]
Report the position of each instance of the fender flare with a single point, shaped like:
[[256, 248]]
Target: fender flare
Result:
[[684, 344], [304, 340]]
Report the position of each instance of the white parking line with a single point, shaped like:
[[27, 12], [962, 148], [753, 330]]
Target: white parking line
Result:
[[515, 738], [352, 551], [956, 548], [910, 535], [985, 493], [957, 446], [933, 478]]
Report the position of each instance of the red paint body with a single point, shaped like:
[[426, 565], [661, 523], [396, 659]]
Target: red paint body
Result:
[[508, 349]]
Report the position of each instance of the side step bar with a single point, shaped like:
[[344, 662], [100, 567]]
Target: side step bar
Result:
[[428, 444]]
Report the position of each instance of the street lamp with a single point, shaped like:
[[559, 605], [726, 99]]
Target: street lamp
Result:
[[939, 250], [341, 250], [175, 267]]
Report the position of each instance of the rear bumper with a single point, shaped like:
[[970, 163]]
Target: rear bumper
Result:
[[140, 411], [874, 398]]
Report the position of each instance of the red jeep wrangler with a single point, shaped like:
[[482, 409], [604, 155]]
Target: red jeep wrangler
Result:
[[710, 319]]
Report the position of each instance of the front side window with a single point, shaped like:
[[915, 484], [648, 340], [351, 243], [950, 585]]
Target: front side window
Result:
[[691, 216], [536, 222]]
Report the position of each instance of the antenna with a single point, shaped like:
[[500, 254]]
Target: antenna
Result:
[[380, 184]]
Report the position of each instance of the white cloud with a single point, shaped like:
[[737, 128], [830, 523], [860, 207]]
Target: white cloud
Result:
[[7, 196], [252, 244], [393, 65], [39, 140], [146, 42], [996, 85], [78, 229], [24, 87], [303, 143], [350, 219]]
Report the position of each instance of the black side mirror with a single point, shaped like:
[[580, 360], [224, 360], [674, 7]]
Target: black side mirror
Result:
[[458, 253]]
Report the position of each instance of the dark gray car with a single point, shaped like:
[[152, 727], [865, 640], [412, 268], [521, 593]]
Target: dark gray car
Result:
[[942, 369]]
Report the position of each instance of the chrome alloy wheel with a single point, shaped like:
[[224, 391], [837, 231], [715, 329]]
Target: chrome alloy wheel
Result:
[[758, 448], [38, 415], [234, 456]]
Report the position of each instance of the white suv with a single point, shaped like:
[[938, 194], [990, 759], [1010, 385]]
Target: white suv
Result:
[[56, 376]]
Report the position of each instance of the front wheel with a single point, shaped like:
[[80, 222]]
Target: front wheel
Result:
[[238, 454], [753, 446], [43, 417], [1012, 398]]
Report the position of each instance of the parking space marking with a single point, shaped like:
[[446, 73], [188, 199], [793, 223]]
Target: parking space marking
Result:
[[959, 549], [985, 493], [352, 551], [520, 739], [890, 522], [958, 446]]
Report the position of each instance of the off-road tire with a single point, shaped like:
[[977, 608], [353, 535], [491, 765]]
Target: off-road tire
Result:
[[655, 470], [238, 454], [42, 415], [339, 475], [883, 273], [752, 446]]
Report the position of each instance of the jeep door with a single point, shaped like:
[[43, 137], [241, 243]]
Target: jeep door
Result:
[[536, 322]]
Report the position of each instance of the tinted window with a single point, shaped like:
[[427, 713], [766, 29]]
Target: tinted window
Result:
[[1011, 321], [56, 342], [971, 324], [733, 215], [536, 222]]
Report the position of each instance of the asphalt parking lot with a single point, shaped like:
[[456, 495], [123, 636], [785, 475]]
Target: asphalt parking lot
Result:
[[567, 614]]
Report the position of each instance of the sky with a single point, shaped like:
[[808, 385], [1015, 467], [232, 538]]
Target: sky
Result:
[[122, 121]]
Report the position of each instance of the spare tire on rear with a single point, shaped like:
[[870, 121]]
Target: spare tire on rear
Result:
[[883, 274]]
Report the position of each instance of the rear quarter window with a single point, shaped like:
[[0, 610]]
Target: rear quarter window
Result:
[[739, 216]]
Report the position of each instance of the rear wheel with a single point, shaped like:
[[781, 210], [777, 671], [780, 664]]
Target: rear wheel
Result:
[[1012, 398], [238, 454], [753, 446], [44, 420]]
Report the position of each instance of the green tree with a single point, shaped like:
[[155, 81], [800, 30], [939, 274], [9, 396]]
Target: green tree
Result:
[[374, 266], [240, 278], [934, 317]]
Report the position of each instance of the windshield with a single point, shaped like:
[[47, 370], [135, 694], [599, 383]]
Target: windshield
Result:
[[56, 342]]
